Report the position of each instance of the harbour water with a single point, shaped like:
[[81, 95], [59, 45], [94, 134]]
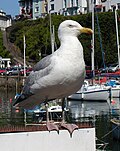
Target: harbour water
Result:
[[101, 112]]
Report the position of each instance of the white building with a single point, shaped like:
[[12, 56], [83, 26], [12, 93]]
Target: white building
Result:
[[63, 7], [5, 20], [104, 5], [110, 5], [26, 8], [5, 62], [40, 8]]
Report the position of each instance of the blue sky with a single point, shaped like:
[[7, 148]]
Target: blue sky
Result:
[[10, 7]]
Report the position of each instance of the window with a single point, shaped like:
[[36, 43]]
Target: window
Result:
[[52, 6], [72, 3], [77, 2], [36, 9], [65, 4], [103, 1], [113, 7], [104, 9], [118, 5]]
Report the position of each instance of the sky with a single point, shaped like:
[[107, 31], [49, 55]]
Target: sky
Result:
[[10, 7]]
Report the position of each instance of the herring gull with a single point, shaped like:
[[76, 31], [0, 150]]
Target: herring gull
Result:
[[59, 74]]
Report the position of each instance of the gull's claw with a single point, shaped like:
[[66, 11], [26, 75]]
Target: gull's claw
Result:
[[52, 126], [69, 127]]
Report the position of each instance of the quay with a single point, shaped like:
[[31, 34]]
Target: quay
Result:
[[36, 138], [11, 81]]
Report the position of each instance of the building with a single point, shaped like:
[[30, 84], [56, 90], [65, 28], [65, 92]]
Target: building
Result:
[[67, 7], [61, 7], [40, 8], [5, 62], [5, 20], [104, 5], [26, 9], [110, 5]]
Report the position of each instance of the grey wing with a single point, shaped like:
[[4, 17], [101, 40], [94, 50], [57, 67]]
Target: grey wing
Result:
[[43, 63], [42, 68]]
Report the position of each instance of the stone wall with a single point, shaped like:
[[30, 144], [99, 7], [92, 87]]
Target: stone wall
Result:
[[11, 82]]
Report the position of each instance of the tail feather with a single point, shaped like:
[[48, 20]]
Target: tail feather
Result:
[[18, 98]]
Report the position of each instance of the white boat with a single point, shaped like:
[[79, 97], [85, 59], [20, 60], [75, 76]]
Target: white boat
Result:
[[55, 113], [115, 88], [56, 108], [91, 92], [115, 91]]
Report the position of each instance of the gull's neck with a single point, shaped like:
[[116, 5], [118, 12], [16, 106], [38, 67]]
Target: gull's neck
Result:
[[67, 38], [71, 42]]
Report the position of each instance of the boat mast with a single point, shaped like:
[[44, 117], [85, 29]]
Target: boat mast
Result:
[[118, 45], [24, 56], [92, 41], [24, 43], [52, 34]]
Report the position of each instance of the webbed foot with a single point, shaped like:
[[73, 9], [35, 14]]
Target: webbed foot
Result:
[[70, 127], [51, 126]]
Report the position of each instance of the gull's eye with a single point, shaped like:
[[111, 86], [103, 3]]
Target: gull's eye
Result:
[[70, 25]]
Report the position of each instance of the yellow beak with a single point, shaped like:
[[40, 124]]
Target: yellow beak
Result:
[[86, 30]]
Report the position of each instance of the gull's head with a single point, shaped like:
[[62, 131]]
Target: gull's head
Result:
[[72, 28]]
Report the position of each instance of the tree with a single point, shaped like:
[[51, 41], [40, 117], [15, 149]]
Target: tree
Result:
[[38, 36]]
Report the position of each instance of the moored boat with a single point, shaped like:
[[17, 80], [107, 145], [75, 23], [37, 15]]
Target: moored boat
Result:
[[91, 92], [55, 113], [116, 128], [115, 88]]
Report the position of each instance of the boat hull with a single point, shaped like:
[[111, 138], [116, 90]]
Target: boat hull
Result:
[[115, 92], [96, 95]]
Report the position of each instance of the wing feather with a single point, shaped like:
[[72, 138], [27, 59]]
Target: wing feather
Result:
[[41, 69], [42, 64]]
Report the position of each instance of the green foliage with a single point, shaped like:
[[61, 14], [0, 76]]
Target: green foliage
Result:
[[38, 36], [3, 52]]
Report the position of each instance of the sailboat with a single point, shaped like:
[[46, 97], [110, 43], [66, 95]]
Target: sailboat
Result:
[[115, 85], [91, 92], [116, 121], [94, 92]]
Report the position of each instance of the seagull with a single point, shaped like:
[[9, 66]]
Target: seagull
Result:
[[57, 75]]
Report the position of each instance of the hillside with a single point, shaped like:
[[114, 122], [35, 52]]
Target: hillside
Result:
[[3, 51], [14, 51], [38, 38]]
